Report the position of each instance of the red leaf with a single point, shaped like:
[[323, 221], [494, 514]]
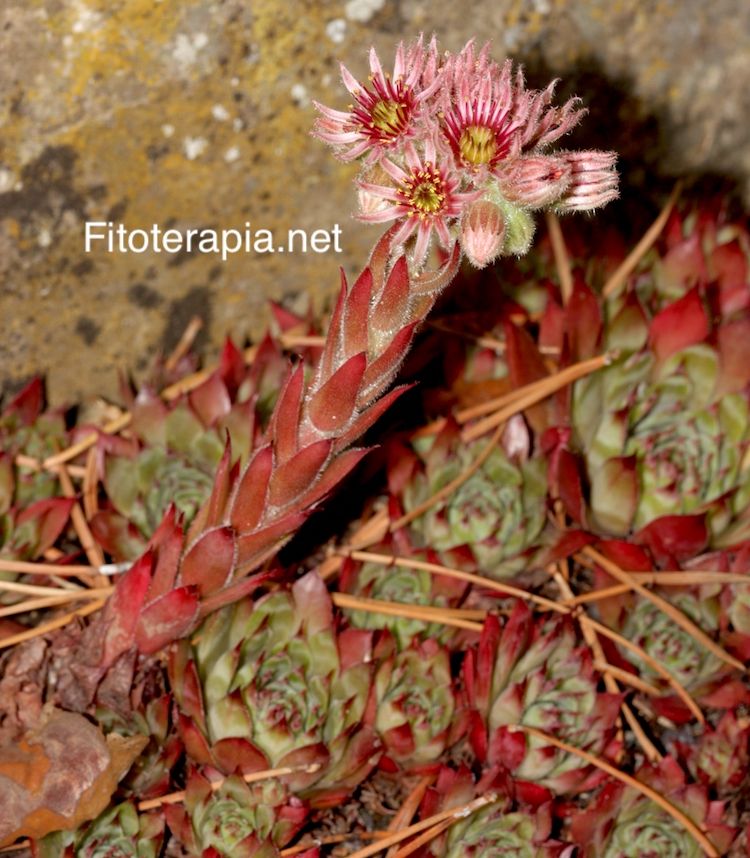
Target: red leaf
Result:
[[733, 341], [392, 302], [485, 662], [381, 371], [566, 546], [674, 538], [149, 415], [525, 362], [565, 476], [231, 366], [208, 563], [333, 475], [249, 499], [626, 555], [217, 502], [681, 324], [28, 402], [525, 365], [552, 326], [123, 608], [332, 406], [195, 742], [583, 320], [166, 544], [210, 400], [335, 336], [292, 478], [729, 266], [356, 315], [168, 619], [367, 418], [51, 515], [252, 545], [286, 415], [234, 592], [238, 754]]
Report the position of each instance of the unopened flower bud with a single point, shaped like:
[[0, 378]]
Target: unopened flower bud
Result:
[[536, 181], [482, 232], [593, 180]]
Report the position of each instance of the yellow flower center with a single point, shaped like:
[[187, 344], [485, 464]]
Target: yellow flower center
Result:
[[424, 191], [478, 145], [388, 117]]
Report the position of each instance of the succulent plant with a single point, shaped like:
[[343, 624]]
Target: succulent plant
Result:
[[671, 646], [498, 513], [236, 820], [403, 586], [664, 427], [270, 683], [416, 707], [151, 774], [494, 830], [32, 512], [720, 756], [120, 832], [623, 823], [497, 829], [534, 672]]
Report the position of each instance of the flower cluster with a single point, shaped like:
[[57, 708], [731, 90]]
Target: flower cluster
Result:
[[457, 146]]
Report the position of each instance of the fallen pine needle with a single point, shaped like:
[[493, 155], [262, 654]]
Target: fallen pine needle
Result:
[[679, 689], [423, 838], [253, 777], [437, 569], [560, 252], [535, 393], [668, 608], [620, 275], [425, 613], [630, 781], [50, 626], [397, 837]]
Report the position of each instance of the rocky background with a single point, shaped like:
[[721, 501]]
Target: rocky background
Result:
[[196, 114]]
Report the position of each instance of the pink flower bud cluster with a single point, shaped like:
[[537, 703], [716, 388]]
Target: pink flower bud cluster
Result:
[[456, 147]]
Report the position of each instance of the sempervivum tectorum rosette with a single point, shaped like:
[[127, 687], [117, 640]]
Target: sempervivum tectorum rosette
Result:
[[721, 755], [173, 450], [624, 823], [120, 832], [416, 712], [270, 683], [32, 512], [496, 515], [533, 671], [236, 820], [399, 585], [664, 428], [497, 829]]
